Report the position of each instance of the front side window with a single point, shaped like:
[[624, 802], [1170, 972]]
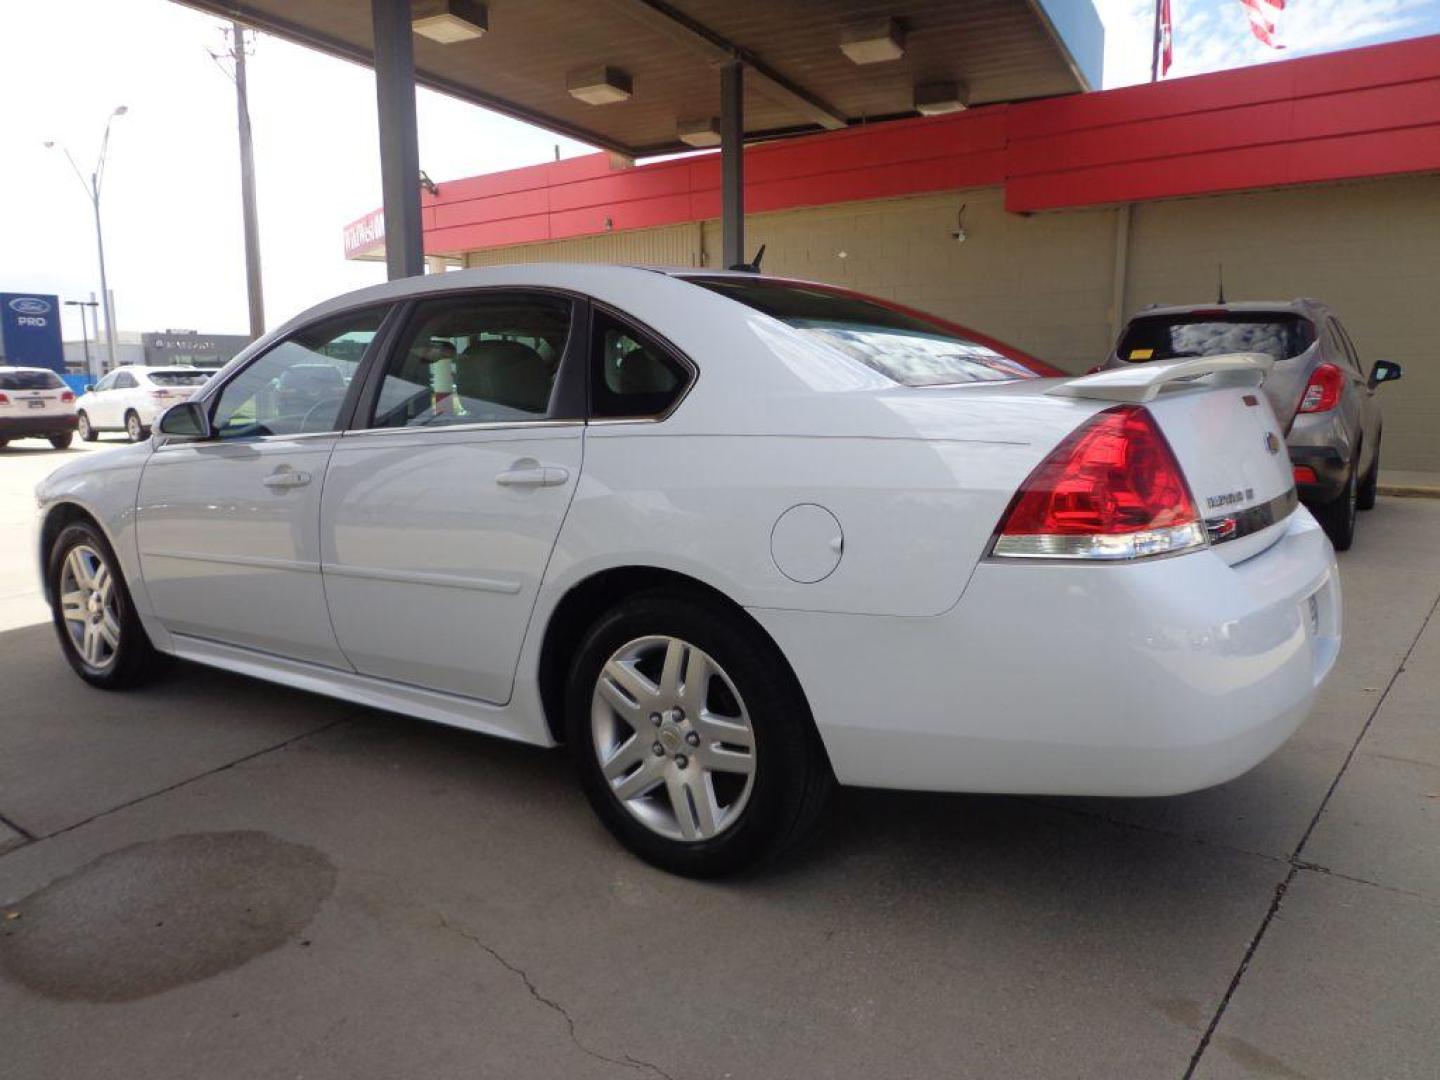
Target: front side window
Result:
[[905, 346], [475, 359], [299, 385], [632, 375], [1280, 335]]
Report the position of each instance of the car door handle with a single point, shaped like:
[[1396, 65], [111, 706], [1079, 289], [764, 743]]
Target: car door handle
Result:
[[533, 476], [286, 478]]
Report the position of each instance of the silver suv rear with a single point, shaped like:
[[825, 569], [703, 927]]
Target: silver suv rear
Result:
[[1318, 388]]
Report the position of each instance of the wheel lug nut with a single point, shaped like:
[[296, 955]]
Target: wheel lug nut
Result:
[[681, 760], [659, 750], [655, 718], [677, 714], [693, 739]]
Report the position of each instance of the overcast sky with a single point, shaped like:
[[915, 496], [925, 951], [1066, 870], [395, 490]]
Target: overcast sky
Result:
[[171, 196]]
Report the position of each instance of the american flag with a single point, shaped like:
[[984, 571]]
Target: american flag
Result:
[[1265, 20]]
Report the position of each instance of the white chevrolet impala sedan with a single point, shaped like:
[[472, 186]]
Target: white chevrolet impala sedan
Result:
[[729, 538]]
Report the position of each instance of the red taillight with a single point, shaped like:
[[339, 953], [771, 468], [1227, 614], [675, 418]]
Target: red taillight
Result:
[[4, 399], [67, 395], [1304, 474], [1111, 490], [159, 393], [1322, 393]]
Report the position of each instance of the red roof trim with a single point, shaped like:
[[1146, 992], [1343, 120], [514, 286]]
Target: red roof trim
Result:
[[1347, 115]]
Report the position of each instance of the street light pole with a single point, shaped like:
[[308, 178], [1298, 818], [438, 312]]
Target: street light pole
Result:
[[84, 332], [92, 189], [247, 186]]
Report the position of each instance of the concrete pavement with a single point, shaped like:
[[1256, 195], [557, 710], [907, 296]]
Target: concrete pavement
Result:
[[213, 877]]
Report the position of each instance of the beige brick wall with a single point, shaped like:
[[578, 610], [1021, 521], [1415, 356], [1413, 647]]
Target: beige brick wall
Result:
[[1371, 250], [1046, 282]]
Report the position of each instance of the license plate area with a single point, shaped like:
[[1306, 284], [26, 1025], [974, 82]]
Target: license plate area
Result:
[[36, 403]]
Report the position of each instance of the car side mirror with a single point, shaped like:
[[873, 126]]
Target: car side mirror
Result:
[[187, 420], [89, 386], [1384, 371]]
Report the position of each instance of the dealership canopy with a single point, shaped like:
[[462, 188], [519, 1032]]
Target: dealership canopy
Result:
[[641, 77]]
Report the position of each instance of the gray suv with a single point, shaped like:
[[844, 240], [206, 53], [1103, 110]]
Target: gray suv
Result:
[[1318, 389]]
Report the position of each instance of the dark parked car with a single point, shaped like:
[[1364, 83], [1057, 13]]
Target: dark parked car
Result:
[[1318, 388]]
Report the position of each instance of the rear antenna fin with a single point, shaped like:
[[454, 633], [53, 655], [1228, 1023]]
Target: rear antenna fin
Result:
[[752, 267], [1220, 279]]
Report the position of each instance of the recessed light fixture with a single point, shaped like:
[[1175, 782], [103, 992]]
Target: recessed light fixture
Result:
[[699, 133], [598, 85], [873, 41], [449, 21], [936, 99]]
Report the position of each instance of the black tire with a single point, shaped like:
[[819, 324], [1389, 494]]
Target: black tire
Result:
[[134, 430], [62, 442], [1337, 516], [791, 774], [87, 433], [134, 660], [1370, 486]]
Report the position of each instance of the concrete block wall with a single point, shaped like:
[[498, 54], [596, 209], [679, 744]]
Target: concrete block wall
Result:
[[1046, 282]]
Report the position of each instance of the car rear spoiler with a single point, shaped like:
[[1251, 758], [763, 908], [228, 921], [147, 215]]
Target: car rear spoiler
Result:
[[1145, 381]]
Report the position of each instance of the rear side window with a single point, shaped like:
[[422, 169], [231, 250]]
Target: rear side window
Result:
[[125, 381], [179, 378], [476, 359], [30, 380], [632, 374], [903, 345], [1279, 335]]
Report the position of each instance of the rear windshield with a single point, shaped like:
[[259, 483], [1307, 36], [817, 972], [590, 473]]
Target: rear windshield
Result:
[[30, 380], [179, 378], [1164, 337], [904, 346]]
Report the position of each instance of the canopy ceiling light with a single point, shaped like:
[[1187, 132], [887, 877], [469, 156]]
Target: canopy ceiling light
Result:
[[449, 21], [699, 133], [936, 99], [873, 41], [598, 85]]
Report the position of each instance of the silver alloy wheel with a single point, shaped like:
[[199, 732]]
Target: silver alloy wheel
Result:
[[673, 738], [133, 427], [88, 605], [83, 422]]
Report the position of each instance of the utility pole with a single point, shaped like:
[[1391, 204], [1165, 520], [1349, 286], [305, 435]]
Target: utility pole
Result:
[[238, 48]]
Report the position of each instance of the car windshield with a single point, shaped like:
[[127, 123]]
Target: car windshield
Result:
[[1280, 335], [904, 346], [30, 380], [178, 378]]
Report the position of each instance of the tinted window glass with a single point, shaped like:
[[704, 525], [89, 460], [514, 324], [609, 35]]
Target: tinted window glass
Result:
[[124, 381], [300, 384], [1164, 337], [475, 359], [108, 382], [30, 380], [910, 348], [179, 378], [631, 373]]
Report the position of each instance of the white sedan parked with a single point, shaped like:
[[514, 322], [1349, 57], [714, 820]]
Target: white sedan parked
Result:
[[730, 538], [131, 397]]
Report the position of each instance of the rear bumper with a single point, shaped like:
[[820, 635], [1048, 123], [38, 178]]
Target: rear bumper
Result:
[[1320, 442], [35, 427], [1142, 679]]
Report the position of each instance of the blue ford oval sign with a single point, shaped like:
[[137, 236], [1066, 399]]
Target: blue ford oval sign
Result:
[[29, 305]]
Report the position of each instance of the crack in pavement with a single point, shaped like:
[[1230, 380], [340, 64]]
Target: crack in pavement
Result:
[[175, 786], [1296, 863], [550, 1003]]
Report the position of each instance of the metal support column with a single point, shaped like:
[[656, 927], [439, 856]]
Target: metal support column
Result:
[[732, 164], [399, 145]]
